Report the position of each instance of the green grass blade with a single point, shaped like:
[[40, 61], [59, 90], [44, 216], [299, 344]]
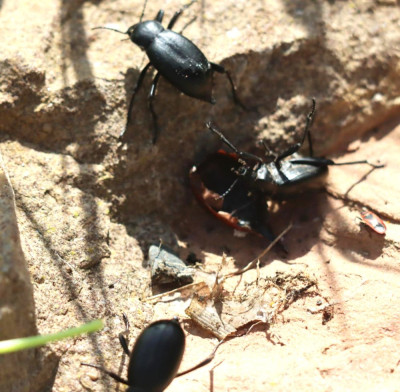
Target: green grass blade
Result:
[[8, 346]]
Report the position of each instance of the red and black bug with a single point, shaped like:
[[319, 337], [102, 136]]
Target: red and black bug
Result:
[[373, 221], [227, 196]]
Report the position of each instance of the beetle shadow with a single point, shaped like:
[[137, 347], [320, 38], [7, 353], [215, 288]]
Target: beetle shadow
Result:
[[205, 235], [307, 232], [306, 212], [1, 3]]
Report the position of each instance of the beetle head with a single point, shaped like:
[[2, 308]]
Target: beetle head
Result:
[[242, 171], [263, 172], [259, 171], [144, 33]]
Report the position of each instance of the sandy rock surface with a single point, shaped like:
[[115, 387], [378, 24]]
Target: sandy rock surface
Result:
[[25, 370], [88, 207]]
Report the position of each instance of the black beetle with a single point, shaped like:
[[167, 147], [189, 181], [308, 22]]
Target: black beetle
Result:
[[175, 58], [288, 174], [155, 358]]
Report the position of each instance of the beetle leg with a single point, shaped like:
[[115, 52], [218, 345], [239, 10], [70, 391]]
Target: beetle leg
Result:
[[290, 151], [178, 14], [150, 100], [311, 161], [373, 165], [174, 19], [222, 137], [228, 143], [309, 121], [111, 374], [203, 362], [220, 69], [122, 339], [296, 147], [269, 154], [135, 90], [123, 342], [160, 16], [319, 162]]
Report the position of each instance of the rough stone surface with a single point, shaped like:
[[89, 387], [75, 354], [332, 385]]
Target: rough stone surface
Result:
[[23, 370], [88, 208]]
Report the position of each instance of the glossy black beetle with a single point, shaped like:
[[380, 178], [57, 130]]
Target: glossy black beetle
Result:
[[155, 358], [175, 58], [288, 174]]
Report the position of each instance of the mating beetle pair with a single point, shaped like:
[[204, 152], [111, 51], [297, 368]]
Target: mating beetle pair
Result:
[[175, 58], [235, 186], [155, 358]]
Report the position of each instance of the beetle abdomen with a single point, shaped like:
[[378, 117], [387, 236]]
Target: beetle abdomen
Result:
[[156, 356], [182, 64]]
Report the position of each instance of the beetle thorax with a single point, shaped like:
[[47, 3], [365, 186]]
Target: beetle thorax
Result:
[[266, 172], [144, 33]]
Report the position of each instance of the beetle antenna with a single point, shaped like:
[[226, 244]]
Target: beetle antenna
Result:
[[109, 28], [228, 143], [222, 137], [143, 10]]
